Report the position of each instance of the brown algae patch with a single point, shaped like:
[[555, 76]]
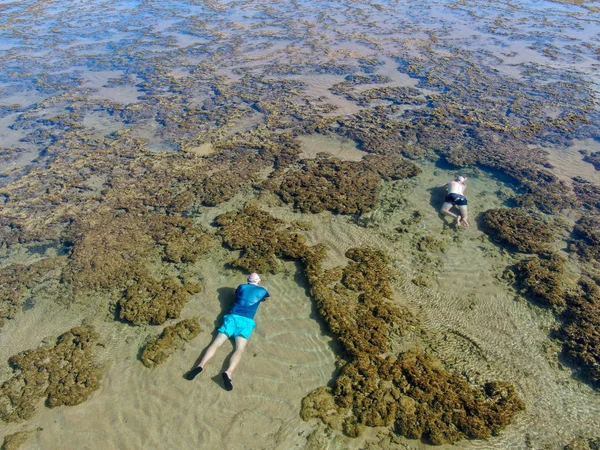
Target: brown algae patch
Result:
[[64, 374], [115, 254], [171, 339], [517, 229], [18, 278], [345, 187]]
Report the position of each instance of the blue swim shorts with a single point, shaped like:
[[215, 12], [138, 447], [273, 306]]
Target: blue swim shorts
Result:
[[234, 326]]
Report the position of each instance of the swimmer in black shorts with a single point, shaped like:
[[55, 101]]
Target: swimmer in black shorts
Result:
[[455, 197]]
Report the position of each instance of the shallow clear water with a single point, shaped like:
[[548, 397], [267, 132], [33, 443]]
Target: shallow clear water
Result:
[[159, 68]]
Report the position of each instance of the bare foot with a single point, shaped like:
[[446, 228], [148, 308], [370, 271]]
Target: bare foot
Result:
[[458, 221], [465, 223]]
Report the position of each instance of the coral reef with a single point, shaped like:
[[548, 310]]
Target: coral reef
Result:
[[542, 277], [580, 330], [345, 187], [171, 339], [16, 440], [586, 234], [412, 391], [587, 194], [64, 374], [594, 159], [114, 253], [517, 229], [16, 278]]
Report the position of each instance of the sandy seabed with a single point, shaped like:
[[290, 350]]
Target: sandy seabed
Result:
[[471, 317]]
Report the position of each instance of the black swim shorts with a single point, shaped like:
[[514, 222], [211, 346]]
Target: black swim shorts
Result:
[[456, 199]]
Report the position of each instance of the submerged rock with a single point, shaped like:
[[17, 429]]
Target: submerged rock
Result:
[[411, 391], [517, 229], [587, 237], [580, 331], [16, 278], [64, 375], [16, 440], [171, 339], [345, 187], [543, 278]]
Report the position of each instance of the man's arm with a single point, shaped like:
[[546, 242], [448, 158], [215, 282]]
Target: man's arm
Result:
[[444, 184]]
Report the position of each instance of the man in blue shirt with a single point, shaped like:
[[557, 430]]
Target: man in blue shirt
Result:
[[238, 324]]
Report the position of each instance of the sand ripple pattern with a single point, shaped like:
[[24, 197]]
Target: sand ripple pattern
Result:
[[287, 357], [500, 338]]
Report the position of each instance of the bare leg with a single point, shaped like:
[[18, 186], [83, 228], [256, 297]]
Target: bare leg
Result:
[[208, 354], [464, 216], [446, 211], [211, 350], [240, 345]]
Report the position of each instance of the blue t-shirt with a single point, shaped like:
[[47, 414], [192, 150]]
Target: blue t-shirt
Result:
[[248, 297]]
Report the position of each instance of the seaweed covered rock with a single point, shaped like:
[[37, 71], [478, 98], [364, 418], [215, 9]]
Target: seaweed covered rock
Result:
[[180, 239], [422, 399], [345, 187], [376, 130], [16, 278], [587, 194], [392, 167], [330, 184], [431, 244], [587, 237], [543, 191], [517, 229], [321, 404], [107, 250], [64, 374], [415, 394], [594, 159], [543, 278], [115, 253], [16, 440], [368, 271], [152, 301], [582, 443], [540, 189], [261, 237], [444, 407], [413, 391], [580, 331], [171, 339]]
